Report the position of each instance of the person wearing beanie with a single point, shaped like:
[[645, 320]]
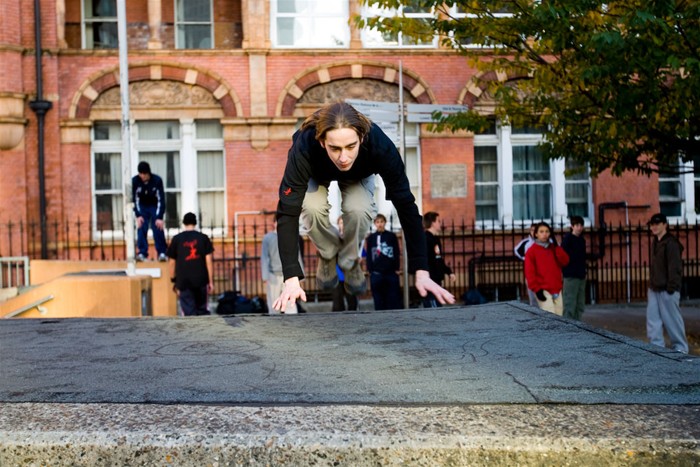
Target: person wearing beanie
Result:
[[148, 196], [543, 264], [664, 294], [191, 267]]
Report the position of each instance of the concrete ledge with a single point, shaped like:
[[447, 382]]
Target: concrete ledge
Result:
[[493, 435]]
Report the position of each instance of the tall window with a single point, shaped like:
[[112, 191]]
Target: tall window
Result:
[[577, 189], [310, 23], [193, 24], [100, 24], [532, 189], [413, 9], [107, 177], [486, 182], [460, 13], [671, 194], [188, 156], [211, 188]]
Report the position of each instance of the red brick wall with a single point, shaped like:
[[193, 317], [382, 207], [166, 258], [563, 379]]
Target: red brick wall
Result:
[[636, 190], [448, 150]]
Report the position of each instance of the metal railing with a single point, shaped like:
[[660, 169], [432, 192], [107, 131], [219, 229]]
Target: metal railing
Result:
[[14, 271], [481, 257]]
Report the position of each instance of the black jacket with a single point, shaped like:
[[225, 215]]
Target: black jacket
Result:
[[307, 159], [436, 262], [666, 268], [383, 252], [575, 247]]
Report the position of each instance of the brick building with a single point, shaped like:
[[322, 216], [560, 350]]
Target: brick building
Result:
[[217, 88]]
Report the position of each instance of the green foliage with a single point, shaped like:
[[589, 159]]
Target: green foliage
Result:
[[616, 84]]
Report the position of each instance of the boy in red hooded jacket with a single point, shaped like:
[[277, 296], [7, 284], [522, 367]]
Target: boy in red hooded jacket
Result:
[[543, 263]]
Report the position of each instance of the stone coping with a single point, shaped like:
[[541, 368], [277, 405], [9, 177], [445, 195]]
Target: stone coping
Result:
[[348, 435]]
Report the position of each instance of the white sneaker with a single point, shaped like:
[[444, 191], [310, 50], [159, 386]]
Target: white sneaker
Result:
[[162, 257], [140, 257]]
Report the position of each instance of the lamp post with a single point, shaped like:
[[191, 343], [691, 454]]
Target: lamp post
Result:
[[126, 138]]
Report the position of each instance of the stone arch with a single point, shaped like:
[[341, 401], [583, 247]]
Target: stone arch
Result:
[[474, 91], [363, 69], [102, 81]]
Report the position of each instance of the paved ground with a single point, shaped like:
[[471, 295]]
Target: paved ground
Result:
[[496, 384], [630, 320]]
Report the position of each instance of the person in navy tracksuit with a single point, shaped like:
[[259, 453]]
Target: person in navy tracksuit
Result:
[[149, 207]]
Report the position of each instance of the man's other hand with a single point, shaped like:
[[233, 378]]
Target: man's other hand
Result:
[[291, 292]]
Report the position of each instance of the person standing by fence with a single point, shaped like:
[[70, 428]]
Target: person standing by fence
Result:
[[575, 272], [271, 267], [191, 267], [664, 294], [383, 264], [520, 250], [436, 262], [543, 263]]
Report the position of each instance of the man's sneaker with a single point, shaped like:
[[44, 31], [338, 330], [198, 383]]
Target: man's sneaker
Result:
[[326, 273], [355, 282], [162, 258], [140, 257]]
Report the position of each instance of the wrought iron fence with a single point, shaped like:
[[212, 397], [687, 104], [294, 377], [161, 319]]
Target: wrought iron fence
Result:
[[482, 258]]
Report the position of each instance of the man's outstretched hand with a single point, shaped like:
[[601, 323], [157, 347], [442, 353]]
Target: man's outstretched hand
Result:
[[425, 284], [291, 292]]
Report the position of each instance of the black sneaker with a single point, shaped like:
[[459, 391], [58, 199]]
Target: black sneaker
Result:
[[355, 282], [326, 274]]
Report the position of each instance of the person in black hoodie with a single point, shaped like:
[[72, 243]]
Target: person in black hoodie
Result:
[[337, 143], [665, 274], [436, 262], [383, 251]]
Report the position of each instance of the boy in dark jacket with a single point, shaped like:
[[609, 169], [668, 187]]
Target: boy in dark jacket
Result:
[[383, 251], [575, 272], [665, 274]]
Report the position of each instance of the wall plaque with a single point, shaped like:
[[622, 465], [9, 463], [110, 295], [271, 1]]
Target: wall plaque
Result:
[[448, 180]]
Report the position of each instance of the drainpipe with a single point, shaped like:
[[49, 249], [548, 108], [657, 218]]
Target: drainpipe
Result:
[[40, 107]]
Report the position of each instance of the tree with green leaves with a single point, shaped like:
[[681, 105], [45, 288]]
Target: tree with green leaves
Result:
[[613, 84]]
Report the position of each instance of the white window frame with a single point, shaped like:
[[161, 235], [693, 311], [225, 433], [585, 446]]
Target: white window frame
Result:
[[179, 23], [372, 39], [588, 216], [108, 146], [313, 19], [187, 146], [455, 13], [202, 145], [488, 140], [505, 140], [88, 23]]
